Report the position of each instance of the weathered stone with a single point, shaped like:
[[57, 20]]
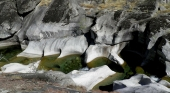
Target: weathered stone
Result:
[[110, 53], [42, 23], [10, 21], [90, 78], [139, 84], [24, 6]]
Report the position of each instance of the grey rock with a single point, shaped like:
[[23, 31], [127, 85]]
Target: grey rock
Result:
[[42, 23], [24, 6], [165, 83], [52, 76], [10, 21], [151, 88], [139, 84], [102, 50]]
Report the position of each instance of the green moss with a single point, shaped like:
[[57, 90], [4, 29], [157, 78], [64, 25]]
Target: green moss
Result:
[[48, 63], [139, 70], [69, 63], [167, 78], [100, 61], [3, 63], [9, 52], [23, 60], [6, 53]]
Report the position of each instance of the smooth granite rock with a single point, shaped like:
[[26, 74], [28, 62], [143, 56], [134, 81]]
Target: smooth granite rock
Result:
[[10, 21], [24, 6], [139, 84], [89, 79]]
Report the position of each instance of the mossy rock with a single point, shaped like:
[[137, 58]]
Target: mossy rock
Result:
[[69, 63], [48, 63], [99, 61], [117, 76], [6, 53], [109, 80], [9, 52], [139, 70], [167, 78], [23, 60], [3, 63]]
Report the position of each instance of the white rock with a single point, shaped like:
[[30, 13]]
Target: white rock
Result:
[[102, 50], [166, 49], [105, 27], [53, 45], [167, 68], [89, 79], [67, 46], [116, 50], [165, 83], [139, 84], [154, 38], [98, 50], [151, 88], [20, 68], [34, 49], [75, 45]]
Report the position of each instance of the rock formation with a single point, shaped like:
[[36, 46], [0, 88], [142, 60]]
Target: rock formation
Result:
[[114, 39]]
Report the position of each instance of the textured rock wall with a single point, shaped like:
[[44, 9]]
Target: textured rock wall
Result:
[[70, 34]]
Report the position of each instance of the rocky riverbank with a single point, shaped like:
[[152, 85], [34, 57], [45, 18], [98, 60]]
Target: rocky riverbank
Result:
[[93, 43]]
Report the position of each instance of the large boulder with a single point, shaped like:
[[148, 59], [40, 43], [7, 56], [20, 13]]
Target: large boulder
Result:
[[52, 19], [101, 54], [24, 6], [63, 46], [151, 88], [89, 79], [20, 68], [10, 21], [139, 84]]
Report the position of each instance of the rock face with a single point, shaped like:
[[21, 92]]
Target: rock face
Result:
[[63, 46], [10, 21], [25, 6], [139, 84], [90, 78], [109, 37]]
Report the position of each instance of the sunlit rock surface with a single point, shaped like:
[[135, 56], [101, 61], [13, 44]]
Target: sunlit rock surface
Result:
[[90, 78], [139, 84], [129, 36], [63, 46], [17, 67], [106, 51]]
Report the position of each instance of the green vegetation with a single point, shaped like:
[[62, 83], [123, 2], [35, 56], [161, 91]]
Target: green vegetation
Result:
[[9, 55], [48, 63], [64, 64], [9, 52], [23, 60], [69, 63]]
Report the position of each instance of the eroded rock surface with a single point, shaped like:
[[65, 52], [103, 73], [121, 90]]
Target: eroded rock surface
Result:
[[113, 39]]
